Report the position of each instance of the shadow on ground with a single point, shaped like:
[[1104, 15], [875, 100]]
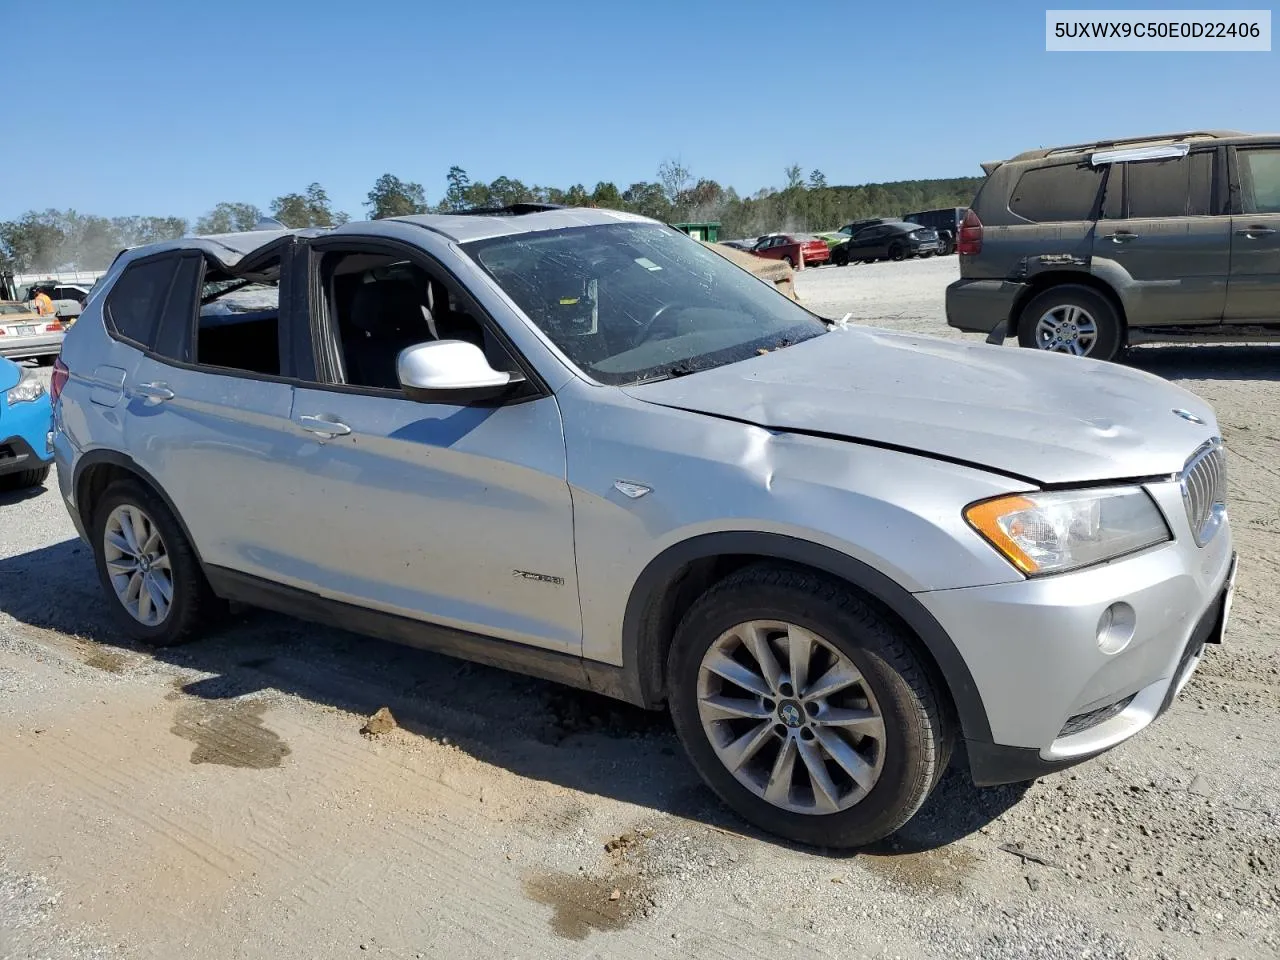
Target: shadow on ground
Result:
[[1208, 361], [534, 728]]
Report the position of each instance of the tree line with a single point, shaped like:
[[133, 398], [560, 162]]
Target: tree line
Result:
[[65, 239]]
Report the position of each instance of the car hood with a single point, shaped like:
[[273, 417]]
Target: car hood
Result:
[[1046, 418]]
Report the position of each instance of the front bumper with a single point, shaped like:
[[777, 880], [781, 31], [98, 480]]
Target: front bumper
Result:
[[1051, 696], [17, 454], [979, 306]]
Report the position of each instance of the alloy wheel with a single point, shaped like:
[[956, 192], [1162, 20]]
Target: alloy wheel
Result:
[[791, 717], [138, 564], [1067, 329]]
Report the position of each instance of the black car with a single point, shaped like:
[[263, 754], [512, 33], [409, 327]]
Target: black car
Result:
[[946, 220], [889, 240]]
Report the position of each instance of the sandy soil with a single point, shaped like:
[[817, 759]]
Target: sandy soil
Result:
[[219, 800]]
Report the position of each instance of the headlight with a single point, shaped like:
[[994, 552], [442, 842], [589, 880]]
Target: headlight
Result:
[[28, 389], [1051, 532]]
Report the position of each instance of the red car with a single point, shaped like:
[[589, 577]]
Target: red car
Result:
[[791, 247]]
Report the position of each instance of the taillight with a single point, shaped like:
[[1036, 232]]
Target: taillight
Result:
[[58, 380], [969, 240], [55, 327]]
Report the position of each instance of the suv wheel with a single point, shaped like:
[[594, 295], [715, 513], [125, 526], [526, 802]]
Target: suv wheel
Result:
[[804, 709], [840, 257], [1071, 319], [147, 566]]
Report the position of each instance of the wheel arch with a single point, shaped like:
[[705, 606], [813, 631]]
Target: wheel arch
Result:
[[1058, 278], [98, 469], [670, 583]]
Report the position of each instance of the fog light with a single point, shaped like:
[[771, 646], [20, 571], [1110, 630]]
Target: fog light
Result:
[[1115, 627]]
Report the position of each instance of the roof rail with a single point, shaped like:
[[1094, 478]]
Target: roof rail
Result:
[[511, 210], [1128, 142]]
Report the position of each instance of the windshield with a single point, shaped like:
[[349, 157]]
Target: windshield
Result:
[[629, 302]]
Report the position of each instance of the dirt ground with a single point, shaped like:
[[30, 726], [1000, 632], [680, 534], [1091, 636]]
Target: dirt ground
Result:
[[220, 801]]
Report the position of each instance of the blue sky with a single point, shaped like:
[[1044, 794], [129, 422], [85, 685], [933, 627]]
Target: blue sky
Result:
[[173, 106]]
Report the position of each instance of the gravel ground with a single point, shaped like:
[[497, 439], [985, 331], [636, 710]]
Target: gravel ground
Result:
[[219, 800]]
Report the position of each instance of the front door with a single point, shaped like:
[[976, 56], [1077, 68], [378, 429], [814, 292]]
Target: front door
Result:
[[1253, 294], [452, 514], [1172, 248]]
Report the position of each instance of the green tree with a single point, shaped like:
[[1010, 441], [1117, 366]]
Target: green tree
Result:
[[817, 180], [393, 197], [310, 209], [576, 196], [648, 200], [455, 194], [228, 218], [675, 179], [34, 241], [795, 177], [606, 195], [504, 191]]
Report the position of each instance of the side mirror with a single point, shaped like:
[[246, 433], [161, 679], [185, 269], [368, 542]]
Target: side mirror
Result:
[[451, 371]]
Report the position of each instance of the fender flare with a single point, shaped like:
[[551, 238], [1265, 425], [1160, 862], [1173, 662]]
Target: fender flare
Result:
[[113, 458], [644, 651]]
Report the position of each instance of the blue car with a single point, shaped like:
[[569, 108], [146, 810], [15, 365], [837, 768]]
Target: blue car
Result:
[[26, 419]]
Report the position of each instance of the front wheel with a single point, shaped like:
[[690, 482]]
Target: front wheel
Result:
[[807, 711], [789, 262], [1071, 319]]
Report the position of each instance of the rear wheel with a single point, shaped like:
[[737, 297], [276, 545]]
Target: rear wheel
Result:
[[807, 711], [896, 251], [944, 247], [24, 479], [148, 569], [1071, 319], [789, 262]]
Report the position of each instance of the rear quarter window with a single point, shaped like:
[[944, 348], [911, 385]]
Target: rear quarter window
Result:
[[1170, 188], [133, 306], [1056, 194]]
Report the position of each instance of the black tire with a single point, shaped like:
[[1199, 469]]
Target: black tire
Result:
[[896, 252], [840, 257], [918, 728], [24, 478], [789, 262], [46, 360], [194, 603], [1109, 342], [944, 247]]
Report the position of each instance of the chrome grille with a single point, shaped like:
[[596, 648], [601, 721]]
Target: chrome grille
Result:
[[1204, 490]]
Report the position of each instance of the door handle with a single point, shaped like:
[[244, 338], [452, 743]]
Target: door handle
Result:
[[1123, 236], [155, 391], [1255, 231], [324, 426]]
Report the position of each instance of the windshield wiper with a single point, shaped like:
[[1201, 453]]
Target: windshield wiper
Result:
[[681, 369]]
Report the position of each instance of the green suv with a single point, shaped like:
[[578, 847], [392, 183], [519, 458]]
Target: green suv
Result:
[[1087, 249]]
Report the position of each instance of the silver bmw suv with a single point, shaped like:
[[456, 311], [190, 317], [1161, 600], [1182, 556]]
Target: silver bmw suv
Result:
[[578, 444]]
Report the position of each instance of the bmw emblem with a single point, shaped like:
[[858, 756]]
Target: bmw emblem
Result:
[[790, 714], [1187, 415]]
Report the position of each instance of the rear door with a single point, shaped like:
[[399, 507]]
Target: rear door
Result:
[[207, 414], [1253, 293], [1167, 240]]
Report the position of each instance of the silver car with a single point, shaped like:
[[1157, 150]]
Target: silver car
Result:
[[579, 444]]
